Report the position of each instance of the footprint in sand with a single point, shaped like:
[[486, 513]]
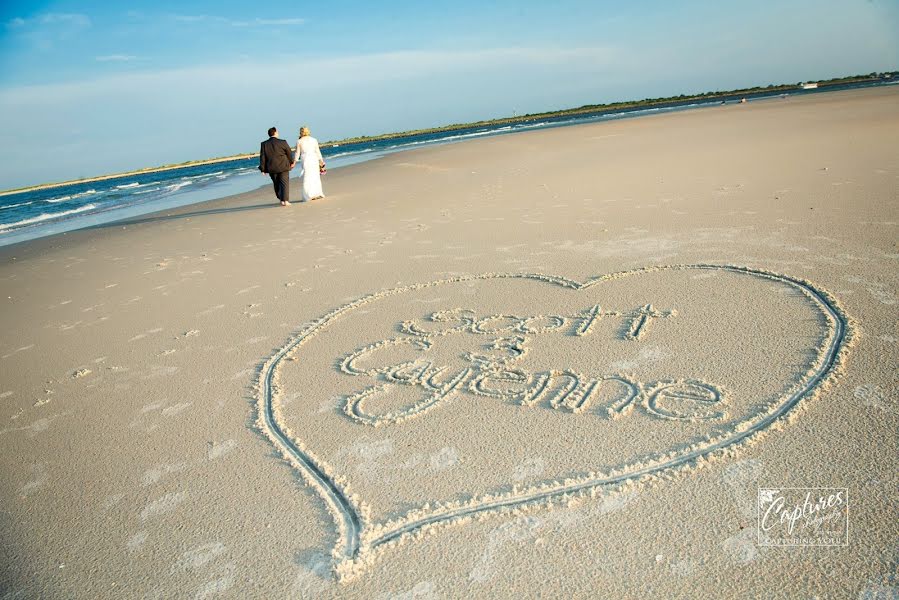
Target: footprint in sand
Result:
[[252, 314], [141, 336], [741, 548], [243, 374], [742, 478], [199, 557], [39, 426], [221, 585], [38, 480], [171, 411], [247, 290], [878, 290], [219, 449], [136, 541], [162, 505], [423, 590], [873, 395], [157, 371], [529, 469], [313, 575], [501, 539], [16, 351], [147, 423], [211, 309], [444, 458], [684, 567], [206, 558], [111, 501], [155, 474]]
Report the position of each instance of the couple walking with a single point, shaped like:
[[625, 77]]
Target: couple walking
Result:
[[276, 160]]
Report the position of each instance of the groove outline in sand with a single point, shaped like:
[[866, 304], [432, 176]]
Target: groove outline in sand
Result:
[[361, 540]]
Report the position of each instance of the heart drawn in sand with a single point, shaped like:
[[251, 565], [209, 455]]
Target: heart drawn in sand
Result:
[[418, 406]]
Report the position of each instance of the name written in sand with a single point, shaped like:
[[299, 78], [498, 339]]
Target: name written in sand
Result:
[[497, 373]]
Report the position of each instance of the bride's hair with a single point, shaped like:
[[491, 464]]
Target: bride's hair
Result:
[[304, 131]]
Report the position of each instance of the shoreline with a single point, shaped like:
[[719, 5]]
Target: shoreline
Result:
[[757, 92], [138, 212], [198, 163]]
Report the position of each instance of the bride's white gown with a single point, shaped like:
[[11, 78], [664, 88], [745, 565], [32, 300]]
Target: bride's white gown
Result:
[[308, 155]]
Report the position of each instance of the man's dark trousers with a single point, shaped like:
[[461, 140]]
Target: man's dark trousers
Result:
[[281, 181], [276, 159]]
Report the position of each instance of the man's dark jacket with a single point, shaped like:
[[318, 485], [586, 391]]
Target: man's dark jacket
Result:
[[275, 156]]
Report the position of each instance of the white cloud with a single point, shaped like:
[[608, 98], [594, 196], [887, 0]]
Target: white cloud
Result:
[[43, 32], [237, 23], [52, 19], [197, 18], [74, 19], [180, 114], [332, 71], [194, 112], [115, 58], [269, 22]]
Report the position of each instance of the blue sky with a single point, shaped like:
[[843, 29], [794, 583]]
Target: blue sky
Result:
[[88, 88]]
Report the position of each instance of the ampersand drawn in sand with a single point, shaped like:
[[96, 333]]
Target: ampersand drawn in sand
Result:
[[623, 379]]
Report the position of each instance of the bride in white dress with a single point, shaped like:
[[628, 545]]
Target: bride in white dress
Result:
[[310, 156]]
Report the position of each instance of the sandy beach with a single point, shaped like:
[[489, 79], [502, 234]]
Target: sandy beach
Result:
[[556, 364]]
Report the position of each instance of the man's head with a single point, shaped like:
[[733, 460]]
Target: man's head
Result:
[[272, 132]]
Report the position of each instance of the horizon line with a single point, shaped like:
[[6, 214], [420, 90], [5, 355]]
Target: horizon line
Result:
[[873, 76]]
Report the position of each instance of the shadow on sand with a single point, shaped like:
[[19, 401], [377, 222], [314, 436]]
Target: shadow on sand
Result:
[[159, 218]]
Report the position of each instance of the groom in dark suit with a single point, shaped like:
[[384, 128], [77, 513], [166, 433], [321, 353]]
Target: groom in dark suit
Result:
[[276, 160]]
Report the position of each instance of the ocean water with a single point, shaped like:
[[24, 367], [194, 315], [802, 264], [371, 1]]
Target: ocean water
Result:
[[30, 215]]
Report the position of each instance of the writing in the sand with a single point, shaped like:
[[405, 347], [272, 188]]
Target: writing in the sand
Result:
[[496, 372]]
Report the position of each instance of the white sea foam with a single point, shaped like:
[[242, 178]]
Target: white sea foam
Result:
[[147, 191], [127, 186], [4, 227], [339, 154], [177, 186], [72, 197], [454, 137], [15, 205], [201, 176], [532, 125]]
